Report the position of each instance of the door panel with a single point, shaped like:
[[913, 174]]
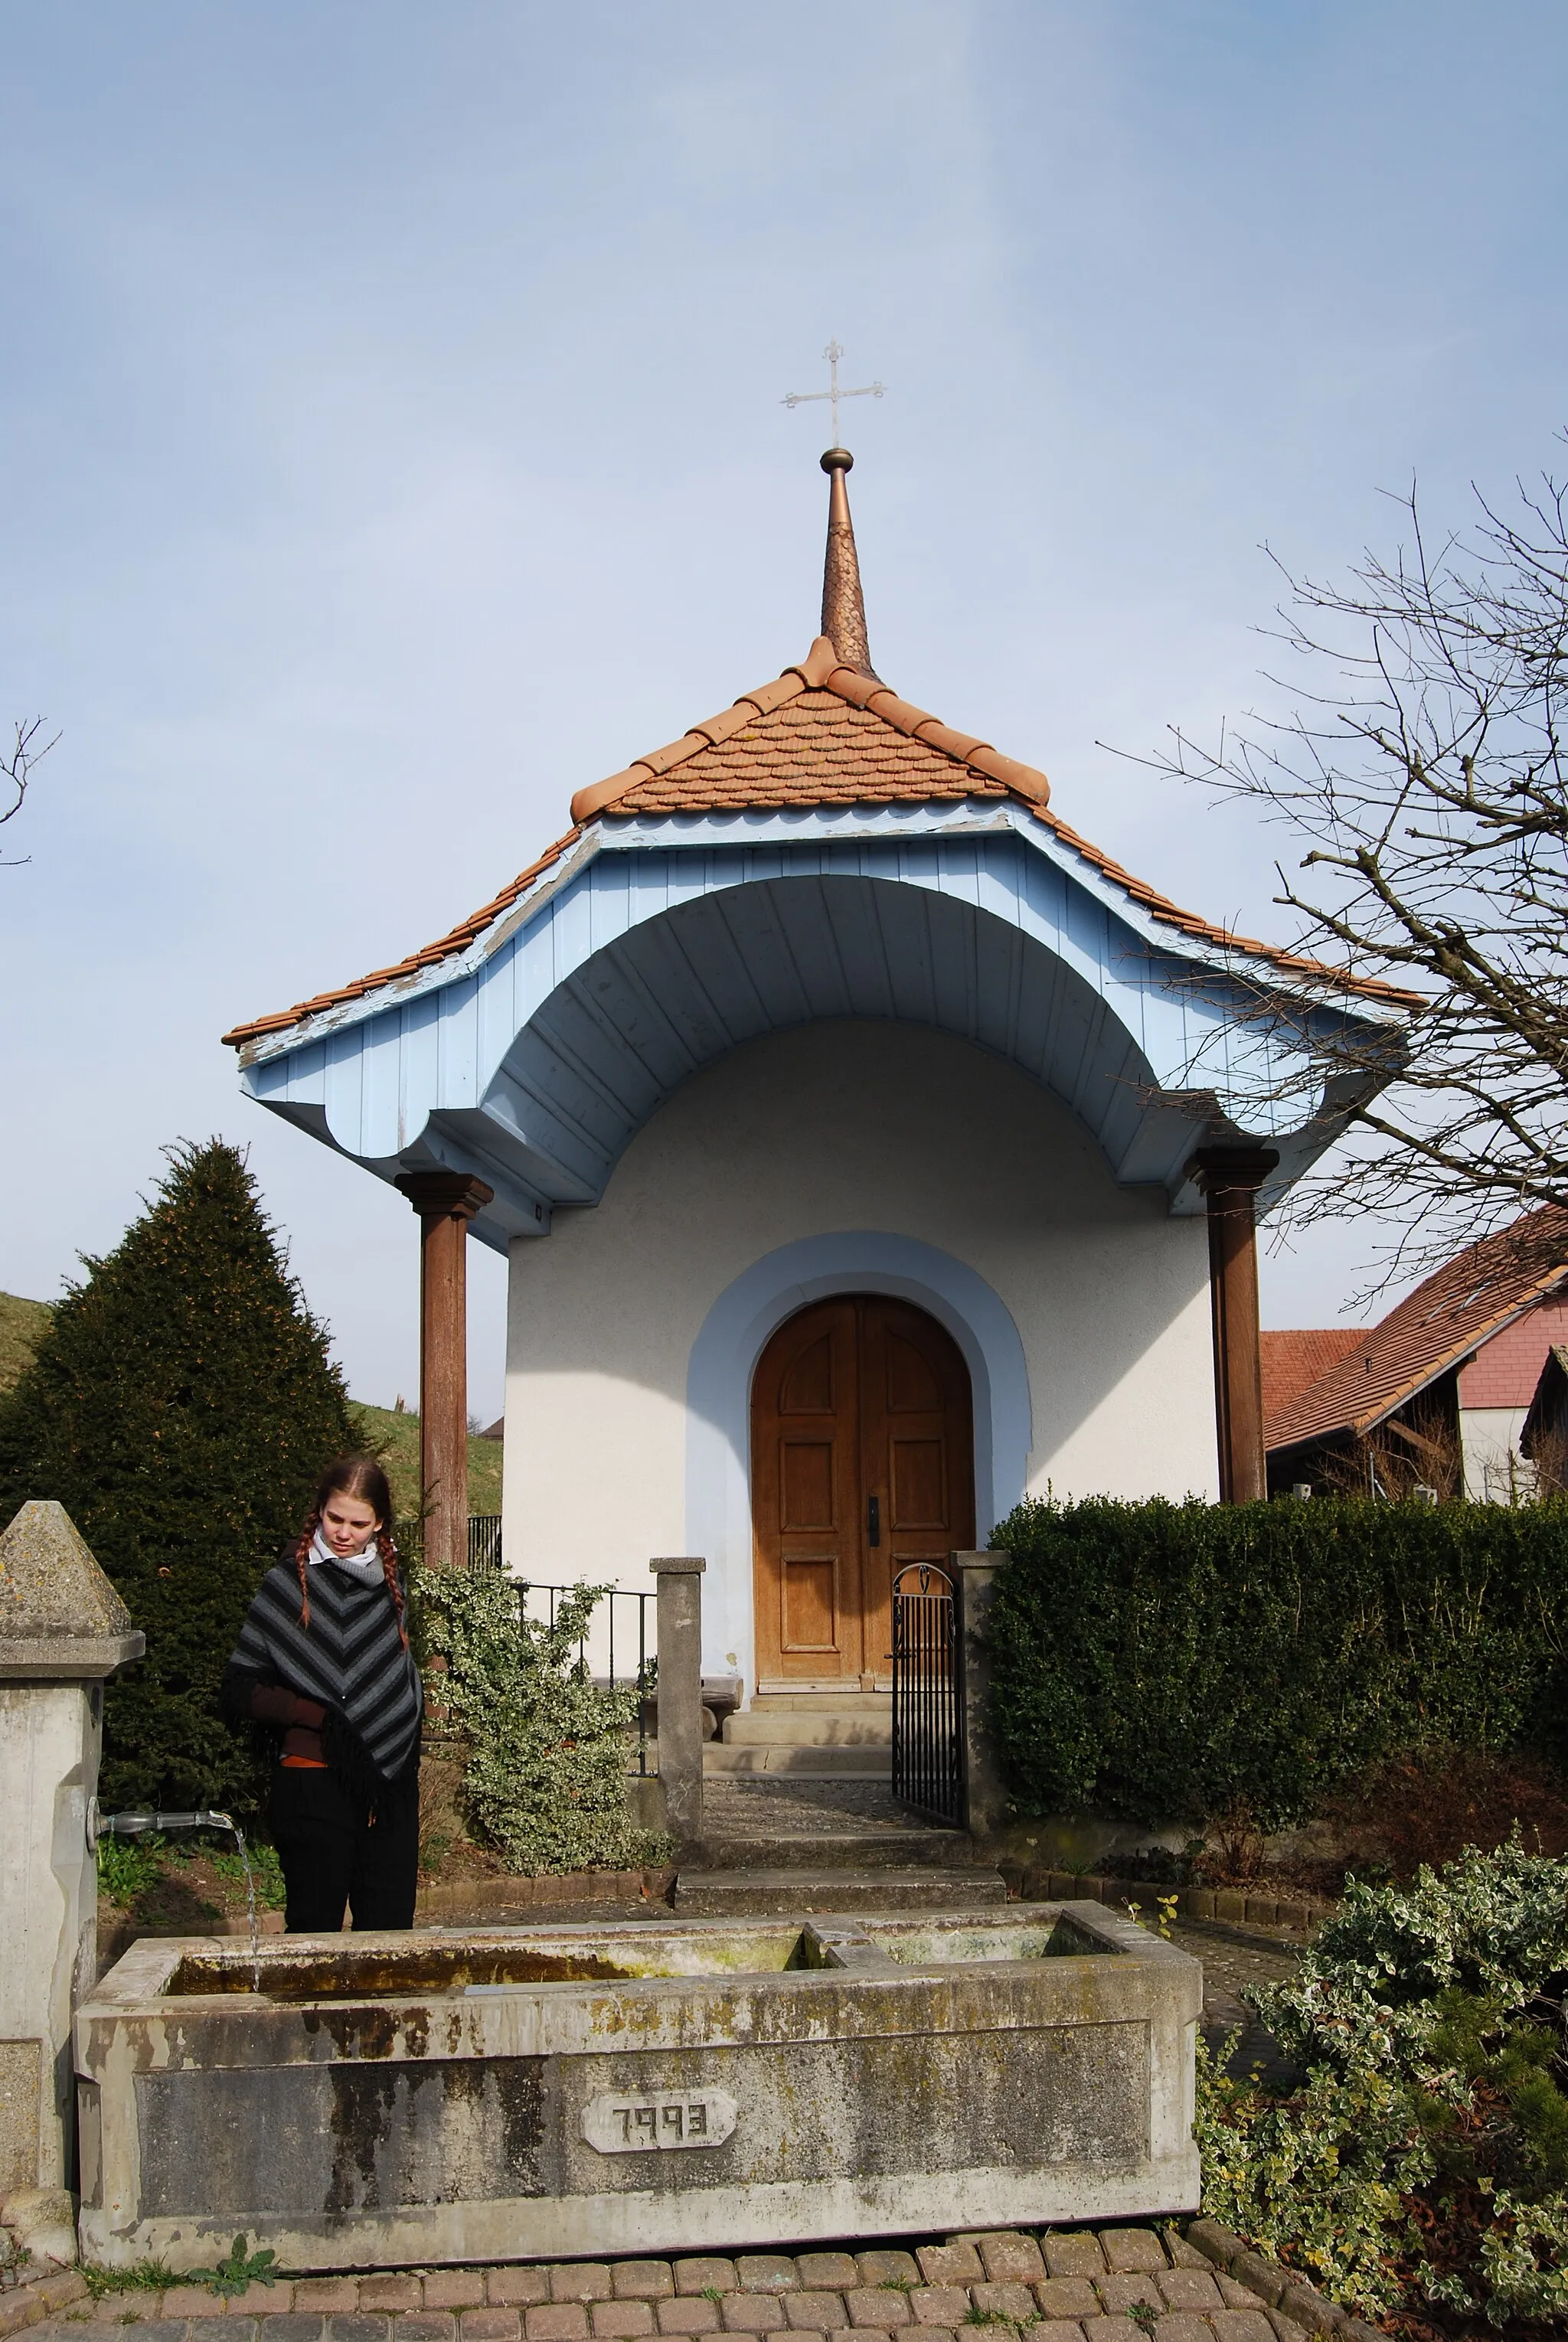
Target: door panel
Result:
[[806, 1498], [856, 1398], [810, 1609], [918, 1498], [912, 1385], [806, 1386], [917, 1455], [805, 1484]]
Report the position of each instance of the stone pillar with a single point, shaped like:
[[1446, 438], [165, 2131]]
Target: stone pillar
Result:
[[680, 1689], [62, 1629], [445, 1201], [1230, 1178], [985, 1793]]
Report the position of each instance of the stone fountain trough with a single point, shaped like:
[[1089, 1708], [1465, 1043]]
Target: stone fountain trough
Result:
[[646, 2087]]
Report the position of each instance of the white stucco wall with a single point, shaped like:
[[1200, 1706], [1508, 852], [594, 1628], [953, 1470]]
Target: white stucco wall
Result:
[[1494, 1471], [875, 1156]]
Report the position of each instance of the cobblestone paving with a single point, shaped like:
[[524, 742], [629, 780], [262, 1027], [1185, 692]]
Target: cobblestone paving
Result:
[[1228, 1966], [1116, 2285]]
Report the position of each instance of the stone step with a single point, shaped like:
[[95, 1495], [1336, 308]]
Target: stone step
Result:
[[808, 1728], [824, 1703], [830, 1849], [751, 1891], [720, 1756]]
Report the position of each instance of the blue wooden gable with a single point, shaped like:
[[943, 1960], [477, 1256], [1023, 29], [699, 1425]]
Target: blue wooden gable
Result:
[[658, 942]]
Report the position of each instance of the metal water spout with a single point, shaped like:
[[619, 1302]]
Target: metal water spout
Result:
[[102, 1825], [132, 1825]]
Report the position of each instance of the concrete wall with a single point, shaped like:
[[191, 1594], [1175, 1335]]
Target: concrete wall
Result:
[[49, 1743], [842, 1156]]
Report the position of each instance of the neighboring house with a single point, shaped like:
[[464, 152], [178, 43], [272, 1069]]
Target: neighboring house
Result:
[[856, 1132], [1437, 1393]]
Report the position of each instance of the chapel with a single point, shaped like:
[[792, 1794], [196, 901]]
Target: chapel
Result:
[[868, 1150]]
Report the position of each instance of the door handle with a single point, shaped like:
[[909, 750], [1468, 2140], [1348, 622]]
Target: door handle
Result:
[[873, 1521]]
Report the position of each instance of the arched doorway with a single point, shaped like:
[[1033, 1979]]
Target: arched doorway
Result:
[[863, 1459]]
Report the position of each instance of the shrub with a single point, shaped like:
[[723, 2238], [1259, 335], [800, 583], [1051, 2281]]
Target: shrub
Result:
[[1423, 2162], [1158, 1662], [180, 1406], [545, 1779]]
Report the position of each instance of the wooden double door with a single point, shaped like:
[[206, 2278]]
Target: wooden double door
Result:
[[863, 1461]]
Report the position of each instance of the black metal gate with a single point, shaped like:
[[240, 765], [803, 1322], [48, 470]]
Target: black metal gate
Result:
[[926, 1769]]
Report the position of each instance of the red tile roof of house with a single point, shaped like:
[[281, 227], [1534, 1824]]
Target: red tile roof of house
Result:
[[1449, 1317], [1292, 1360], [822, 735]]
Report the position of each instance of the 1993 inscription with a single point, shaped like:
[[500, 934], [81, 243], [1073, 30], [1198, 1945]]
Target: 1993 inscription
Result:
[[633, 2122]]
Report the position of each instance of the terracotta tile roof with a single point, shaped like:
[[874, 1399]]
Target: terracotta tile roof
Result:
[[1292, 1360], [1463, 1305], [823, 733], [815, 750]]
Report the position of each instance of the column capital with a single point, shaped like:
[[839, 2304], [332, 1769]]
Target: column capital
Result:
[[63, 1621], [1216, 1169], [675, 1564], [444, 1194]]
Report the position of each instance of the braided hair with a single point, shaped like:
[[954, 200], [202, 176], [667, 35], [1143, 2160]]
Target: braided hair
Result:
[[361, 1476]]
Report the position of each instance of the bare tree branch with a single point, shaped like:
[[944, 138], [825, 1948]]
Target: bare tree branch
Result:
[[16, 771], [1423, 778]]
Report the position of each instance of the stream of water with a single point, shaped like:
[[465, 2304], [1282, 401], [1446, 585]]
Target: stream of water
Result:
[[133, 1824]]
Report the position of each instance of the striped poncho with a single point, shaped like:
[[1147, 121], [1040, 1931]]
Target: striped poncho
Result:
[[351, 1657]]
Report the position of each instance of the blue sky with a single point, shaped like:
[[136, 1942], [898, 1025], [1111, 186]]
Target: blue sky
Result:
[[390, 443]]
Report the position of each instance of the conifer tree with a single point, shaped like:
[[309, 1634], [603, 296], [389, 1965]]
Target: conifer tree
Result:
[[181, 1407]]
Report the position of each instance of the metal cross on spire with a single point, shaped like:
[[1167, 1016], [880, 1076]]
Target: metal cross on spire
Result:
[[803, 397]]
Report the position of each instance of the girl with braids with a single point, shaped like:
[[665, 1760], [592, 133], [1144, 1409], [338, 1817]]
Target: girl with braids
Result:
[[323, 1665]]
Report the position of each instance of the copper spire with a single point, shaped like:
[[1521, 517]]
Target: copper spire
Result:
[[843, 603]]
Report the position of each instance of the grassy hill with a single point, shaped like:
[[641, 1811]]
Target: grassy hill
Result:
[[395, 1436], [397, 1439], [22, 1324]]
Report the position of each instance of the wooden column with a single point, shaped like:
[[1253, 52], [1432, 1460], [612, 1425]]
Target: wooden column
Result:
[[1230, 1178], [445, 1202]]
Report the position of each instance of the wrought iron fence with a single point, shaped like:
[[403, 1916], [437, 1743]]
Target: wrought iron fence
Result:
[[622, 1630], [636, 1642], [927, 1770]]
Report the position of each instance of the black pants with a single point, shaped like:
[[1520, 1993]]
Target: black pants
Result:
[[335, 1850]]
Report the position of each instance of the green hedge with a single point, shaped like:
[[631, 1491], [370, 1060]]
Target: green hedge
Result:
[[1164, 1663]]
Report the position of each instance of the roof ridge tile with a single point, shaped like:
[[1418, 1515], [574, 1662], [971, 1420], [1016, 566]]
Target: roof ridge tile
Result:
[[659, 761], [818, 664], [1025, 779], [849, 683], [727, 722], [895, 709], [960, 745], [778, 694]]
